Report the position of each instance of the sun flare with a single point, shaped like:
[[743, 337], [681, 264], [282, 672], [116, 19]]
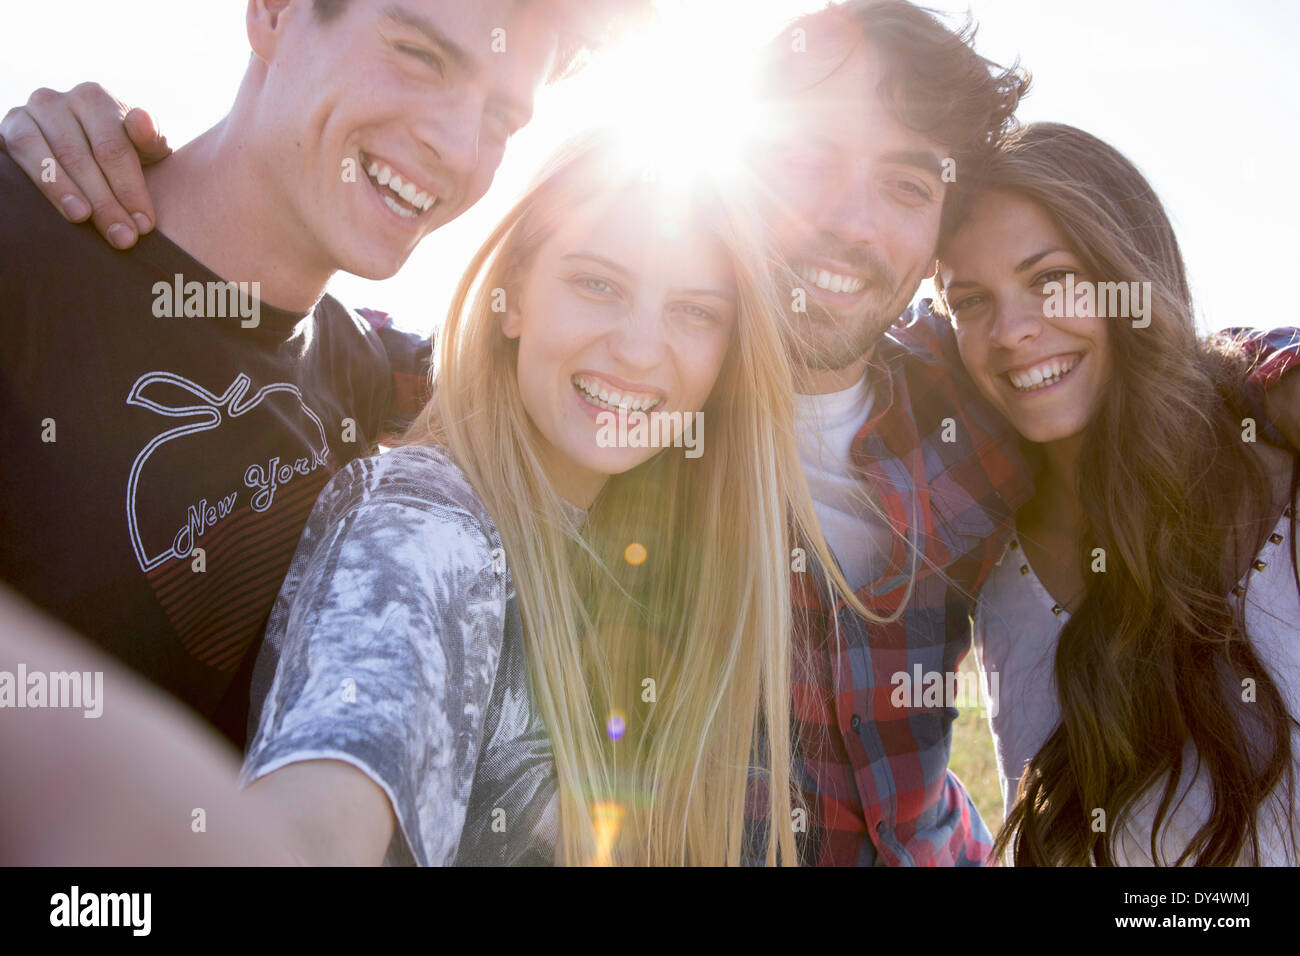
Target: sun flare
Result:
[[677, 92]]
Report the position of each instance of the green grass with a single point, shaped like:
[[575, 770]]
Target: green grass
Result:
[[973, 758]]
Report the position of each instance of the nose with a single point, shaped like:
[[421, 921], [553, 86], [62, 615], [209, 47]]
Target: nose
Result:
[[450, 128], [639, 343], [1017, 319], [850, 213]]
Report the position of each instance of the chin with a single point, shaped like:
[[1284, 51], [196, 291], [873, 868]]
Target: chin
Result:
[[370, 268], [607, 461], [612, 465], [371, 254], [1046, 432]]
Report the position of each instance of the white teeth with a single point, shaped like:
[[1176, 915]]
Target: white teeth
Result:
[[383, 174], [1042, 376], [614, 400], [831, 281], [400, 210]]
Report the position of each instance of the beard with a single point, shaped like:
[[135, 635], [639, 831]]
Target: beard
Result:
[[826, 340]]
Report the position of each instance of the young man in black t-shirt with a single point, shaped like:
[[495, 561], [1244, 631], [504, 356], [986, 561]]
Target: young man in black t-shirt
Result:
[[168, 414]]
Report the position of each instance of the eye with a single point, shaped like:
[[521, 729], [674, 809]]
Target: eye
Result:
[[1051, 275], [424, 55], [697, 311], [597, 286], [911, 190], [966, 304]]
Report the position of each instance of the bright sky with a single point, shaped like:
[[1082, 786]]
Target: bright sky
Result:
[[1204, 95]]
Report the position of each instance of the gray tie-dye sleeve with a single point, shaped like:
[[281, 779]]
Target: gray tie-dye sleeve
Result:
[[384, 642]]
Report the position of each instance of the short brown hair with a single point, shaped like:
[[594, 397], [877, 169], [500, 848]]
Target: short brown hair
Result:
[[935, 83]]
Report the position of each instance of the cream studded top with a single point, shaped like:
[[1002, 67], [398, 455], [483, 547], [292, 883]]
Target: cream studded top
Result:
[[1017, 624]]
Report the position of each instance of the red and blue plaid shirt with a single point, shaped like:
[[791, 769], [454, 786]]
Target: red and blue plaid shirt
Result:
[[947, 472]]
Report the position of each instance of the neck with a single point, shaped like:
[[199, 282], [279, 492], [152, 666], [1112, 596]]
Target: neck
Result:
[[825, 381], [1057, 497], [215, 201], [574, 483]]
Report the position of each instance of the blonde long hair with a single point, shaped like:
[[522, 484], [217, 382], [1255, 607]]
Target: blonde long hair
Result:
[[692, 645]]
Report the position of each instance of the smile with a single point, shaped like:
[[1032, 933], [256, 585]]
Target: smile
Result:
[[831, 281], [1044, 374], [402, 196], [603, 395]]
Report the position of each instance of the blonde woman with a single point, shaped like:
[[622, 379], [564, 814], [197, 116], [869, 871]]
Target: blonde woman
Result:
[[506, 643]]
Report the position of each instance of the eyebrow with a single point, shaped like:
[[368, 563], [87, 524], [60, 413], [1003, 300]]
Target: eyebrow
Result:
[[1027, 263], [454, 51], [593, 257], [615, 267], [1030, 262], [922, 159]]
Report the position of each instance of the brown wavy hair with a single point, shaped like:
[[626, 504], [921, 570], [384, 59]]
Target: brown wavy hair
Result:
[[1155, 655]]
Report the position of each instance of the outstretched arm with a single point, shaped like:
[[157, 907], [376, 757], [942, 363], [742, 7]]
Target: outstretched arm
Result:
[[126, 787]]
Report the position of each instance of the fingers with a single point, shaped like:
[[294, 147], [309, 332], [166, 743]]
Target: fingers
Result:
[[149, 143], [79, 144], [110, 176], [113, 154], [25, 143]]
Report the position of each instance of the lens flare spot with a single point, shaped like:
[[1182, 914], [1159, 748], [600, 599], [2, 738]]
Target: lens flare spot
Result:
[[606, 818], [616, 725], [634, 554]]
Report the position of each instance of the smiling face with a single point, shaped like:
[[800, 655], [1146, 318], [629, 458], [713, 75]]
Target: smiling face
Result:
[[857, 203], [1046, 375], [389, 120], [617, 308]]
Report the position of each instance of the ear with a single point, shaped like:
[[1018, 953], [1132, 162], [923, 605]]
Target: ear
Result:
[[512, 320], [266, 21], [934, 269]]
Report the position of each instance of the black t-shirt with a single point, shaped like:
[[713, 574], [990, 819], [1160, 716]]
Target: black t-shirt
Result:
[[157, 472]]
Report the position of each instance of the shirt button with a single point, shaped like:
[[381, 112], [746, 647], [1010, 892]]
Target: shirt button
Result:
[[855, 722]]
